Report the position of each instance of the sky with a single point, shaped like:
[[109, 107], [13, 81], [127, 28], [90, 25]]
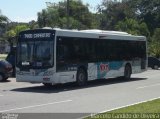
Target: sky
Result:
[[26, 10]]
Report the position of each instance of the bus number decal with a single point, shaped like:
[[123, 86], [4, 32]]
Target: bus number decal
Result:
[[102, 70], [104, 67]]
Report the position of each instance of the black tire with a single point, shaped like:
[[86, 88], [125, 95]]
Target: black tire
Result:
[[152, 67], [2, 78], [81, 78], [155, 67], [47, 84], [127, 72]]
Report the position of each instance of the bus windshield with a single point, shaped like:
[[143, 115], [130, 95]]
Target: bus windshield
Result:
[[35, 53]]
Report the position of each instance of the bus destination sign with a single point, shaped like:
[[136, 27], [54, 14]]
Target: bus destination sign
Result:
[[37, 35]]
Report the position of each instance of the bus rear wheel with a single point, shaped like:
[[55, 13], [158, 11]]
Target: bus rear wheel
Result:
[[155, 67], [127, 72], [81, 77], [47, 84]]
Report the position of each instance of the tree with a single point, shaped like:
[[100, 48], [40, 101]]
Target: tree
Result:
[[55, 15], [42, 18], [154, 48], [33, 24], [156, 35], [154, 45], [13, 33], [113, 12], [147, 11], [3, 20], [133, 27], [3, 26]]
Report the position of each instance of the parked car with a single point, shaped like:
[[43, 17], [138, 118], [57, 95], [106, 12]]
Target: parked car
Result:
[[5, 70], [153, 62], [11, 57]]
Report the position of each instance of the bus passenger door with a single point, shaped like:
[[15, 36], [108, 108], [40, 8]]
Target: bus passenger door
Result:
[[92, 71], [61, 57]]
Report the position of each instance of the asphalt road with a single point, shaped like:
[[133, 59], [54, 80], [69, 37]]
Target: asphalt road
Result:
[[97, 96]]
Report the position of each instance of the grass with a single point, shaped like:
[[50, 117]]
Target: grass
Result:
[[3, 56], [147, 110]]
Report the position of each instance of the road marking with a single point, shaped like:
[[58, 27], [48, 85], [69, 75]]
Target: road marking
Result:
[[93, 114], [52, 103], [148, 86], [130, 105]]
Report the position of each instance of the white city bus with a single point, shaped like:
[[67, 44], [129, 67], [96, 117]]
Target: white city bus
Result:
[[52, 56]]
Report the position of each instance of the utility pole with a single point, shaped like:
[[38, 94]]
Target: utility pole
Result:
[[67, 14]]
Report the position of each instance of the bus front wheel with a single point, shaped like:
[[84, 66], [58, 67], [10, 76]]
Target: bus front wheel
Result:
[[81, 77], [127, 72]]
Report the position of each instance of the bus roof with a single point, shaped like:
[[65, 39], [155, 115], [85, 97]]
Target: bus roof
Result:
[[105, 32], [94, 33], [90, 31]]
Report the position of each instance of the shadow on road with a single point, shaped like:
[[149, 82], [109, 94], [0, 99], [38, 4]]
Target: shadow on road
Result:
[[7, 81], [72, 86]]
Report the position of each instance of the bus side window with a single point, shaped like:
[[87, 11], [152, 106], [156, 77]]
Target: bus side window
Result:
[[62, 52]]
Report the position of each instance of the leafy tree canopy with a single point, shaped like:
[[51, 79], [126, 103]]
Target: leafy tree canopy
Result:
[[55, 15], [3, 20], [133, 27], [15, 31]]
